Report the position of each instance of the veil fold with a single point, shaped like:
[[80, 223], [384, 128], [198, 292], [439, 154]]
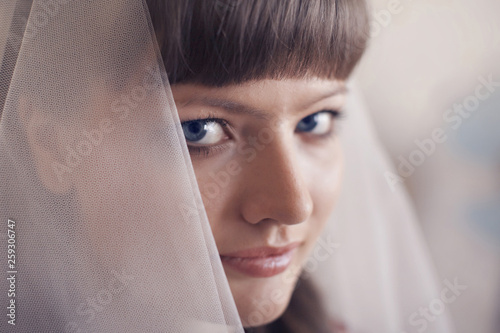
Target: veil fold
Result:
[[380, 276], [93, 181]]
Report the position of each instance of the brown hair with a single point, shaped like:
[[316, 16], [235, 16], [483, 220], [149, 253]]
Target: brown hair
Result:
[[221, 42]]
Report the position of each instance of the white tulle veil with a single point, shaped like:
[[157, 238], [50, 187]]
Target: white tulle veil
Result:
[[85, 99]]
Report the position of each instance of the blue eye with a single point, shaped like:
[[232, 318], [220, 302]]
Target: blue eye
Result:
[[204, 131], [194, 130], [318, 123], [308, 123]]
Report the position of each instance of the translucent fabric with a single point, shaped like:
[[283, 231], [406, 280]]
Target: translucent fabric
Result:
[[108, 227], [101, 221], [379, 277]]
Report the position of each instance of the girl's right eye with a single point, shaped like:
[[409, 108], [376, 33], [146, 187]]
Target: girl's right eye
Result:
[[207, 132]]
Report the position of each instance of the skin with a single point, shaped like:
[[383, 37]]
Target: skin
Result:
[[283, 186]]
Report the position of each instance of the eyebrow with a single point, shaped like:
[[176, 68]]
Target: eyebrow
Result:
[[229, 106], [233, 107]]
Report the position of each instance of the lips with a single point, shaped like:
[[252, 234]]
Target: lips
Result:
[[262, 261]]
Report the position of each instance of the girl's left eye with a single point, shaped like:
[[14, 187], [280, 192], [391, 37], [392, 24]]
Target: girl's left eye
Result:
[[204, 131], [319, 123]]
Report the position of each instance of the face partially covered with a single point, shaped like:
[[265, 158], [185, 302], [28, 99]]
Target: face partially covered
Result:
[[268, 164]]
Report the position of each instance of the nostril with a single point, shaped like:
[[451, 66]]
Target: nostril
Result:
[[285, 207]]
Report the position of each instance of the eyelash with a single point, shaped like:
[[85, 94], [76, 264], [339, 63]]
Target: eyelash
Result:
[[207, 150], [210, 118], [211, 150]]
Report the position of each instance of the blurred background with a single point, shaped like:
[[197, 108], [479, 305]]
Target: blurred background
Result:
[[431, 78]]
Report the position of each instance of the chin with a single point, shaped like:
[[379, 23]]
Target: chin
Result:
[[261, 301], [261, 314]]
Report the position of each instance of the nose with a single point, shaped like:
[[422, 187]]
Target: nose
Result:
[[274, 187]]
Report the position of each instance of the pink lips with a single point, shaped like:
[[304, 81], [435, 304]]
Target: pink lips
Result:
[[261, 261]]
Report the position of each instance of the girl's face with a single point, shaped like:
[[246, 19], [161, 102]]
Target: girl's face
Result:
[[267, 161], [268, 164]]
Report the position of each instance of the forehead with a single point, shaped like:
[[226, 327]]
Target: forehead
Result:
[[267, 94]]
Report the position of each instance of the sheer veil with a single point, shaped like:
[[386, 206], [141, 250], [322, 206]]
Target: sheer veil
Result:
[[101, 221], [379, 278]]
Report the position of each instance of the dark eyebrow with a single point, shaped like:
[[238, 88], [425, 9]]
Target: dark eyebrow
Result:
[[238, 108], [229, 106]]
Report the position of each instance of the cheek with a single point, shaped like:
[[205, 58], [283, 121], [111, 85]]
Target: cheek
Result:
[[263, 300], [105, 200], [218, 181], [324, 180], [121, 190]]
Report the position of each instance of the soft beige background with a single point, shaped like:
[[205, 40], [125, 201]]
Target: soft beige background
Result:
[[425, 58]]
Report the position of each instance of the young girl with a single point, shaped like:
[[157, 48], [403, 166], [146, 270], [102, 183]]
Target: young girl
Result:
[[240, 69], [173, 166]]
